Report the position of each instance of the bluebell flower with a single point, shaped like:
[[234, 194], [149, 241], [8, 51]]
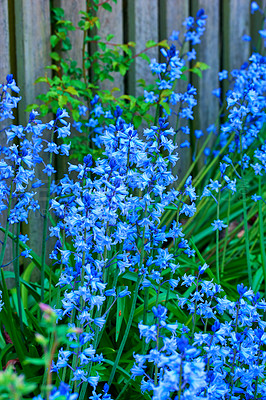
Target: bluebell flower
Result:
[[218, 224], [254, 7]]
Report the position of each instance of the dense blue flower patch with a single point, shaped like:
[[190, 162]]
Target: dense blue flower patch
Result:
[[113, 249]]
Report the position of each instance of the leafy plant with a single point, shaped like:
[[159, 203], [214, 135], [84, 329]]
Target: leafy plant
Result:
[[142, 261]]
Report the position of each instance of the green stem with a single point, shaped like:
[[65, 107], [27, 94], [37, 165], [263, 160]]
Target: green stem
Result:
[[45, 224], [180, 381], [217, 241], [226, 234], [195, 313], [2, 255], [17, 281], [261, 228], [245, 216], [133, 306], [129, 323]]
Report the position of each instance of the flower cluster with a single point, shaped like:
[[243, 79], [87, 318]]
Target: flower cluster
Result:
[[226, 359], [115, 204]]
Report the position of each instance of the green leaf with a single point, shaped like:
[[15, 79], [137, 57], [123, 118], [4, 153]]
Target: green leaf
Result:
[[137, 119], [107, 7], [41, 79], [102, 46], [150, 43], [44, 109], [131, 276], [145, 57], [31, 107], [183, 77], [72, 90], [109, 37], [122, 69], [164, 43], [141, 82], [196, 71], [166, 93], [54, 40], [119, 314], [53, 66], [55, 56], [202, 66], [166, 107], [62, 101], [34, 361], [75, 115]]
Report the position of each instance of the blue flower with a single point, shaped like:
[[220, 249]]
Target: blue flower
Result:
[[218, 224]]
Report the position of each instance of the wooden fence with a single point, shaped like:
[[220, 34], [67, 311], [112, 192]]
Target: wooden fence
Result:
[[25, 30]]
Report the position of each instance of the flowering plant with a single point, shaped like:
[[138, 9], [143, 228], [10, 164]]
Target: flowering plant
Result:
[[135, 295]]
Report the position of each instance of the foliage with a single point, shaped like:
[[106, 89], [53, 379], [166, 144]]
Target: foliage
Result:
[[139, 295], [75, 88]]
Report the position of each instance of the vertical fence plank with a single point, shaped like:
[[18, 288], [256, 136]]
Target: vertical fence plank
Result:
[[4, 70], [208, 51], [4, 34], [112, 23], [146, 28], [238, 14], [176, 12], [71, 12], [32, 29], [72, 9]]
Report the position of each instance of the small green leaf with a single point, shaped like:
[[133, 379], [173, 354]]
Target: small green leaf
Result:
[[109, 37], [150, 43], [107, 7], [62, 101], [166, 107], [164, 43], [44, 109], [31, 107], [137, 120], [166, 93], [55, 56], [41, 79], [54, 40], [183, 77], [202, 66], [53, 66], [145, 57], [196, 71], [71, 90], [122, 69]]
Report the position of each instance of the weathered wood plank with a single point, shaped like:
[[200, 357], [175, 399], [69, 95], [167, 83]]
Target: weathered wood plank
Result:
[[4, 70], [208, 51], [176, 12], [4, 34], [33, 48], [239, 25], [72, 9], [146, 28], [112, 23], [71, 12]]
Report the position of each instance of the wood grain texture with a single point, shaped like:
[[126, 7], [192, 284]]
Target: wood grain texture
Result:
[[32, 31], [72, 9], [208, 51], [4, 70], [146, 28], [71, 12], [176, 12], [239, 25], [112, 23]]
